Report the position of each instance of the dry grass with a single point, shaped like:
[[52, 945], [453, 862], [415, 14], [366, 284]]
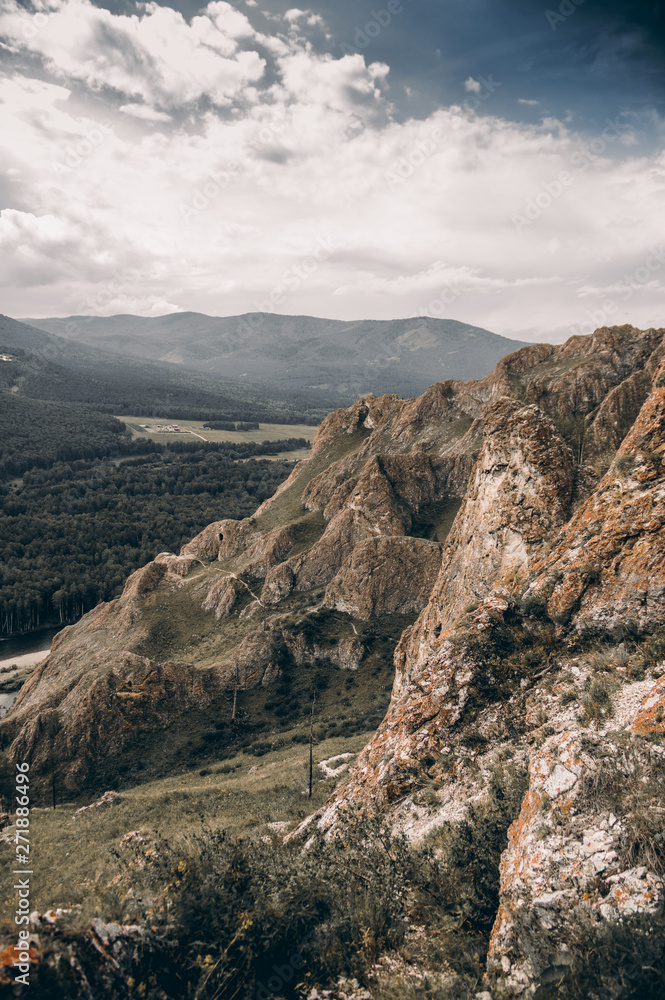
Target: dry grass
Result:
[[75, 858]]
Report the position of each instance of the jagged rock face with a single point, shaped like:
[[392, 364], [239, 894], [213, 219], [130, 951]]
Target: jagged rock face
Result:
[[424, 708], [385, 576], [519, 493], [563, 863], [596, 574], [362, 526], [607, 568], [500, 528], [106, 702]]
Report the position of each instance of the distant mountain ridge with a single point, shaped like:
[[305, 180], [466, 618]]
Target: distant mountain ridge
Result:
[[57, 367], [299, 353]]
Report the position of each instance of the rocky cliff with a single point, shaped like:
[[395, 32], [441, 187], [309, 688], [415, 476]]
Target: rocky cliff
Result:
[[516, 526]]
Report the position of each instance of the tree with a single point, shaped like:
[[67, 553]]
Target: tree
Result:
[[235, 687], [311, 745]]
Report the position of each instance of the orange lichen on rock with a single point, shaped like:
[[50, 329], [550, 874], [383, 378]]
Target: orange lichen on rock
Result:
[[650, 719]]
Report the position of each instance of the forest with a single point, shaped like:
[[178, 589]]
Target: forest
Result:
[[35, 434], [50, 368], [72, 533]]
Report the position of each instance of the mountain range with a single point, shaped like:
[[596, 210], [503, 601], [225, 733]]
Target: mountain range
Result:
[[330, 358], [502, 540]]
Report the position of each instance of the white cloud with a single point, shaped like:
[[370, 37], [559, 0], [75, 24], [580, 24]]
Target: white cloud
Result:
[[473, 86], [295, 14], [157, 56], [343, 85], [144, 112], [149, 202], [528, 101], [440, 276]]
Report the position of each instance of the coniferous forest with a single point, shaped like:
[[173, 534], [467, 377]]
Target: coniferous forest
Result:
[[93, 504]]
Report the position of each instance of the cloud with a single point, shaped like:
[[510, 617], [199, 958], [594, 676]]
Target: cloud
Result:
[[144, 112], [440, 276], [473, 86], [527, 101], [295, 14], [343, 85], [157, 57], [136, 184]]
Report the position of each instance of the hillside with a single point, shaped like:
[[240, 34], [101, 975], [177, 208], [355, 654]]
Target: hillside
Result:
[[57, 368], [495, 550], [299, 353]]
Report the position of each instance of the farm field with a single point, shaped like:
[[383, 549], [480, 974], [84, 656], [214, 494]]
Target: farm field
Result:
[[194, 429]]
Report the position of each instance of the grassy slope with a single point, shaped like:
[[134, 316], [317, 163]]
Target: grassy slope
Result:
[[200, 766], [74, 857]]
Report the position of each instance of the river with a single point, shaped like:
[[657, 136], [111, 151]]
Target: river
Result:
[[22, 651], [20, 645]]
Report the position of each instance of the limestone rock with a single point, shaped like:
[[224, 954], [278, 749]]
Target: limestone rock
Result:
[[268, 551], [519, 494], [90, 707], [650, 718], [222, 596], [385, 576], [607, 567], [557, 849]]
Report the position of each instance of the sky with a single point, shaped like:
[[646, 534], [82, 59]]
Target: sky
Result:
[[498, 162]]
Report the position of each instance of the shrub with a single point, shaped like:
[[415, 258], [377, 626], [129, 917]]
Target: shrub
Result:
[[609, 658], [464, 886], [653, 651], [625, 464], [633, 786], [596, 704], [251, 916], [612, 960], [264, 912]]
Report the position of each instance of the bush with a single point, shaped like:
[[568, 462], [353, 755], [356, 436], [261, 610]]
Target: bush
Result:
[[596, 704], [245, 914], [609, 658], [237, 918], [464, 886], [653, 652], [633, 787], [613, 960]]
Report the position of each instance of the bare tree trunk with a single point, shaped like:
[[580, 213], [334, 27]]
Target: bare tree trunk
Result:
[[235, 689], [311, 747]]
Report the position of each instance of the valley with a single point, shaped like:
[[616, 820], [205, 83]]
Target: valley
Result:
[[462, 596], [310, 357]]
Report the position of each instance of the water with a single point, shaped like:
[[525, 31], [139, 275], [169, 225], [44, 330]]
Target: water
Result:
[[31, 642], [22, 651], [6, 702]]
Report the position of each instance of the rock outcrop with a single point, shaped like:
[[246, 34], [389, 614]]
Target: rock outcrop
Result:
[[563, 866], [517, 525]]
